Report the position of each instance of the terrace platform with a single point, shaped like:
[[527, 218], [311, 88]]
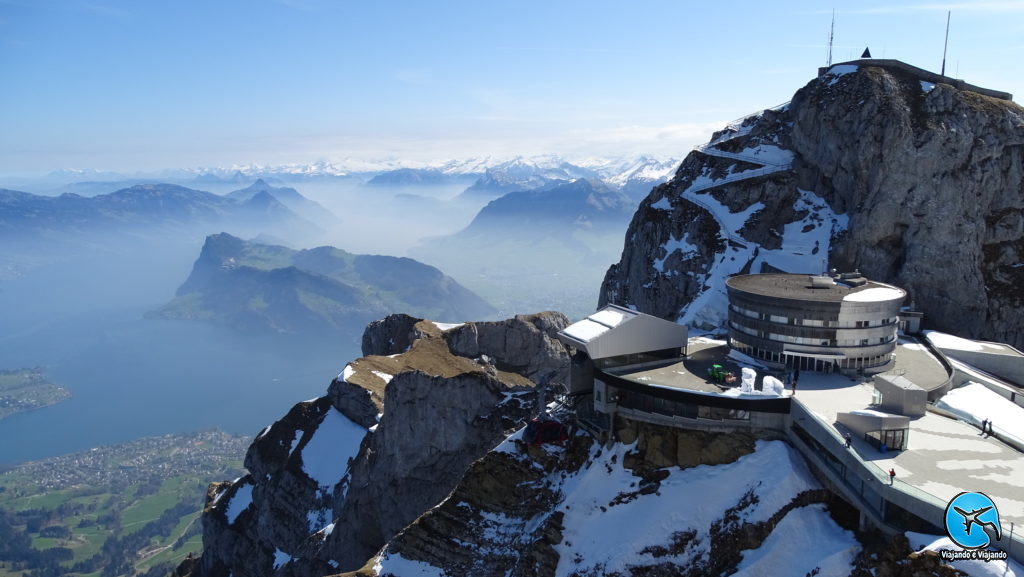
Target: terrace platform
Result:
[[691, 373], [944, 456]]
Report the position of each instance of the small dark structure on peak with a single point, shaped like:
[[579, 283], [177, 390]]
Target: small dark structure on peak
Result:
[[867, 53]]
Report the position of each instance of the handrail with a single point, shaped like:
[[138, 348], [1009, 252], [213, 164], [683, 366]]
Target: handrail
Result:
[[739, 176], [946, 385], [709, 149]]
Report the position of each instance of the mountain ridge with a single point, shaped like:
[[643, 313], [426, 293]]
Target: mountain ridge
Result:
[[254, 286], [867, 168]]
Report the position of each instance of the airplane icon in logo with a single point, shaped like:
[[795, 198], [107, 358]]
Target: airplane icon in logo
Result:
[[972, 519]]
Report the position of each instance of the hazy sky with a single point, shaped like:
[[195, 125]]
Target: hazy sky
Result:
[[143, 85]]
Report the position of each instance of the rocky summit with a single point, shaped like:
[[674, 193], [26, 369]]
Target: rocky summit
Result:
[[339, 476], [873, 165]]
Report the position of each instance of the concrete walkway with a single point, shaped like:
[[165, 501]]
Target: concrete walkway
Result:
[[944, 457]]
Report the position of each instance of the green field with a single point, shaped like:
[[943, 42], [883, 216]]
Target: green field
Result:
[[93, 515], [26, 390]]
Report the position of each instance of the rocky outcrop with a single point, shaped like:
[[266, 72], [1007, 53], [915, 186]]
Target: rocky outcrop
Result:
[[868, 167], [525, 344], [518, 510], [337, 477], [270, 510], [391, 335]]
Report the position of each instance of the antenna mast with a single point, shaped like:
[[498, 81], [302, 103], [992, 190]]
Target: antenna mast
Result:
[[831, 35], [946, 45]]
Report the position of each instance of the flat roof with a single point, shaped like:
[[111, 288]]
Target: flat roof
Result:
[[798, 287], [690, 374], [944, 456]]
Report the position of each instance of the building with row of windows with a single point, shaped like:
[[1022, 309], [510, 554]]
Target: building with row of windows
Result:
[[820, 323]]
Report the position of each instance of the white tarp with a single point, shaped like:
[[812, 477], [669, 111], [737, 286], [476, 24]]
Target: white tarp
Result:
[[748, 379]]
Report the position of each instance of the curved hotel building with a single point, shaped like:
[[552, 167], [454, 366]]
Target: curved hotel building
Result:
[[819, 323]]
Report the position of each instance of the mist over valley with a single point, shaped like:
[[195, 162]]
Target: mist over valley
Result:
[[104, 284]]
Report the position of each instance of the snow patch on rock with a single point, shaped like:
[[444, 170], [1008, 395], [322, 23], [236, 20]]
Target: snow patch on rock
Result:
[[336, 440], [239, 502]]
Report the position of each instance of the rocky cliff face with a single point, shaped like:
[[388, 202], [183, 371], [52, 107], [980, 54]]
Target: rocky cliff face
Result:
[[643, 508], [338, 476], [868, 167]]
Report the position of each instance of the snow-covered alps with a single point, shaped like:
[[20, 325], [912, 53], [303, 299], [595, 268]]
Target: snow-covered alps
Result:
[[615, 171]]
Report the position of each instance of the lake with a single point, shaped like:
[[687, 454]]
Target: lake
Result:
[[132, 377]]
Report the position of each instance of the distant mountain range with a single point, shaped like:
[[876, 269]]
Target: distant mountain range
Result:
[[531, 248], [633, 176], [156, 210], [491, 176], [144, 206], [304, 207], [557, 210], [252, 286]]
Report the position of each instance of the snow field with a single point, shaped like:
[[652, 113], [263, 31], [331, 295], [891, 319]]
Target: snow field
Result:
[[394, 564], [806, 539], [662, 204], [1008, 568], [612, 539], [280, 558], [805, 243], [974, 403], [947, 341]]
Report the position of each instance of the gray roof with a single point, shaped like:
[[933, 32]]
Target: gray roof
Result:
[[616, 330], [798, 287]]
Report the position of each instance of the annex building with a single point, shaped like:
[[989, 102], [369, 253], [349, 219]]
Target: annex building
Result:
[[843, 322]]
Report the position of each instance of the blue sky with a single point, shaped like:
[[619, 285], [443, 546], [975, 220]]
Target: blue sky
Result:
[[130, 85]]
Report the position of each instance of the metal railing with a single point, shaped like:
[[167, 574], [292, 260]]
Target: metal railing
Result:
[[738, 176], [854, 469], [710, 150]]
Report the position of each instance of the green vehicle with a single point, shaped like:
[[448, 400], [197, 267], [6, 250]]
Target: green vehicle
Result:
[[718, 374]]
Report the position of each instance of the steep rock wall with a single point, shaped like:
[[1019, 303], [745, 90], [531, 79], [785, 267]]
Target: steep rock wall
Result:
[[338, 476], [915, 184]]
